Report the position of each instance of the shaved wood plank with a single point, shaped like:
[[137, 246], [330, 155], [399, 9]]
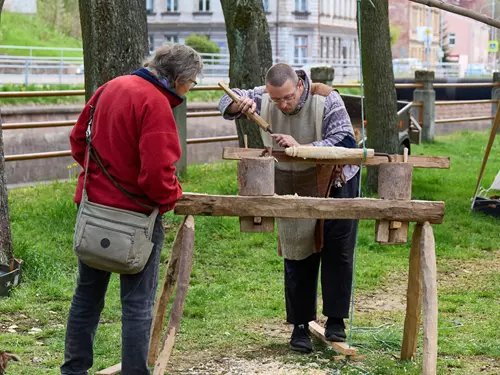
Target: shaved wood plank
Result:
[[413, 299], [113, 370], [395, 225], [430, 300], [440, 162], [382, 231], [399, 235], [186, 263], [167, 288], [307, 207], [340, 347]]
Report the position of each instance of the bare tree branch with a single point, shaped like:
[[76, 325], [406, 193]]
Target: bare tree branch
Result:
[[460, 11]]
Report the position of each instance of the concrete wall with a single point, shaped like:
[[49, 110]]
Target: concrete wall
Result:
[[57, 139]]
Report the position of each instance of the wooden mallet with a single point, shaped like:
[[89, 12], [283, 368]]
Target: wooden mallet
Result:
[[252, 116]]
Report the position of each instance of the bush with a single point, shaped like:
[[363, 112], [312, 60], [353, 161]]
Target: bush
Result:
[[202, 44]]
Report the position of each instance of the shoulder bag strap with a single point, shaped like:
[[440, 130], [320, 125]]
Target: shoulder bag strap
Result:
[[92, 152]]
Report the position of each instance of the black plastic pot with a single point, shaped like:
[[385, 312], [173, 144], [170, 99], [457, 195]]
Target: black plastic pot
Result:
[[10, 279]]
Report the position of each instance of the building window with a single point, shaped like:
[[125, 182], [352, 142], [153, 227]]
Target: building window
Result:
[[204, 6], [300, 49], [171, 38], [172, 6], [265, 3], [301, 5], [149, 6], [151, 43], [452, 40], [327, 46]]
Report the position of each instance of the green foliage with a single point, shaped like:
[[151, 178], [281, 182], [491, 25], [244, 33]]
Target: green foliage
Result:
[[63, 15], [31, 30], [235, 303], [395, 32], [202, 44]]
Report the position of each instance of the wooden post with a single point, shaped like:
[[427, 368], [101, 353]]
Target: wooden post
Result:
[[394, 182], [186, 263], [413, 298], [180, 113], [256, 178], [430, 300], [167, 288]]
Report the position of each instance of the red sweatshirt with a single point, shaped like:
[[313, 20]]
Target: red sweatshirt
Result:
[[135, 134]]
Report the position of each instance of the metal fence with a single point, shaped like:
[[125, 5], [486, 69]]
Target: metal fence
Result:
[[45, 65]]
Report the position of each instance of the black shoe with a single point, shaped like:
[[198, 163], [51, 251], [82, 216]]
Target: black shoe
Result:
[[335, 330], [301, 341]]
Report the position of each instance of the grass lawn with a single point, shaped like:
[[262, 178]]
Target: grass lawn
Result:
[[234, 318]]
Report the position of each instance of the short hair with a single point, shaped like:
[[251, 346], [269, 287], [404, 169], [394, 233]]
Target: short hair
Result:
[[278, 74], [175, 61]]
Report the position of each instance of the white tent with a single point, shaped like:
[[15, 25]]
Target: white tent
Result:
[[496, 183]]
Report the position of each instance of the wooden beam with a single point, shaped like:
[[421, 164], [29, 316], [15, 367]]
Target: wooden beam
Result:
[[460, 11], [440, 162], [340, 347], [413, 299], [185, 265], [430, 300], [289, 206], [171, 272], [113, 370]]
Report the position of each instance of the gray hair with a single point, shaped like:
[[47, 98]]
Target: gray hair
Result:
[[278, 74], [175, 61]]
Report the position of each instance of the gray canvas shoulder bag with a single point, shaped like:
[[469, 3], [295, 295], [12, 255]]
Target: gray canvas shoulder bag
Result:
[[108, 238]]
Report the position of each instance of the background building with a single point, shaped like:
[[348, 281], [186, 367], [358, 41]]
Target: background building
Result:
[[411, 21], [302, 32]]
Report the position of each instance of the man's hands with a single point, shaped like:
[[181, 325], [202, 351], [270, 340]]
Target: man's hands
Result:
[[245, 105], [285, 140]]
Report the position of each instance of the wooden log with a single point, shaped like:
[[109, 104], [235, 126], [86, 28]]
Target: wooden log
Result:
[[113, 370], [413, 299], [332, 153], [309, 208], [394, 182], [430, 300], [441, 162], [167, 288], [256, 177], [340, 347], [186, 263]]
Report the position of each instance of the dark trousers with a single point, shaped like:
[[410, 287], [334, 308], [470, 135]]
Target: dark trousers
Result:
[[137, 293], [336, 257]]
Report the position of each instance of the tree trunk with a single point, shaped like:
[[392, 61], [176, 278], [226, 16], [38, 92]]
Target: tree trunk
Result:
[[251, 54], [6, 251], [378, 77], [115, 39]]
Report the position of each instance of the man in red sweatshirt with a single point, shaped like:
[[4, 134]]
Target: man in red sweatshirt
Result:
[[135, 135]]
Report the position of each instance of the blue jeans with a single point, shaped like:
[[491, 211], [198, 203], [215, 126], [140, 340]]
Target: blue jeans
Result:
[[137, 293]]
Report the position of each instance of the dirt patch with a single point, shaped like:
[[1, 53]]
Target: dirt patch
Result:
[[391, 295], [242, 366]]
